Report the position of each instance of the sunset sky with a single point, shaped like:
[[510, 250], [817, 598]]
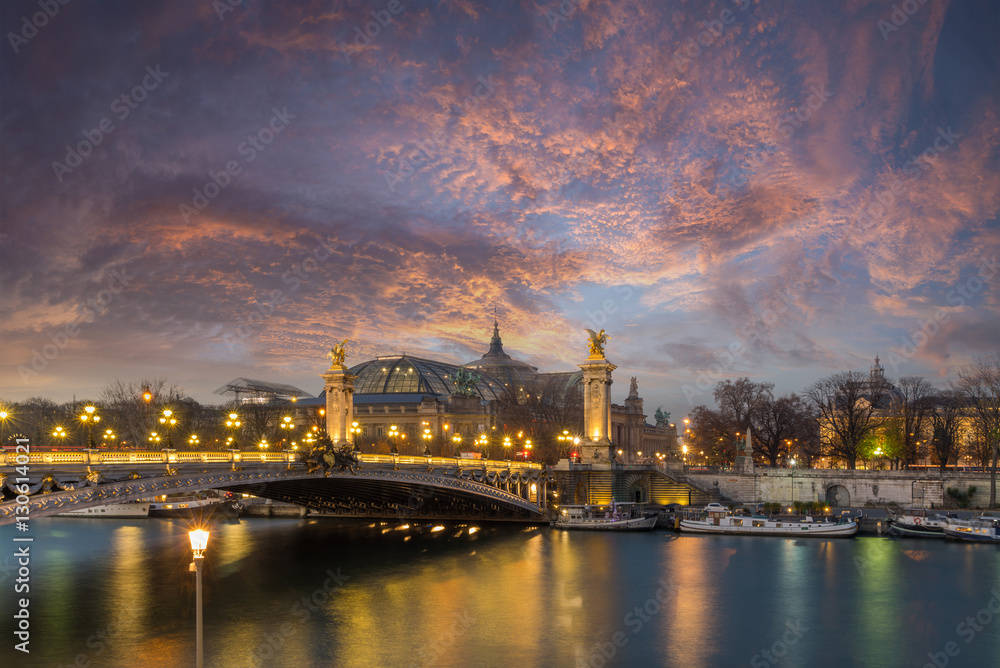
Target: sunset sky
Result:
[[780, 190]]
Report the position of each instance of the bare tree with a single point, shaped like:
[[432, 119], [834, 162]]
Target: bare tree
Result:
[[980, 384], [738, 400], [135, 415], [908, 411], [778, 423], [848, 403], [541, 413], [946, 423]]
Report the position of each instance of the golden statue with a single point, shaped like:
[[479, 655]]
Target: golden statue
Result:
[[338, 353], [597, 342]]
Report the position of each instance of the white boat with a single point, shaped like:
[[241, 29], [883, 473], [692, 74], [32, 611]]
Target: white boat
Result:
[[918, 523], [984, 529], [128, 510], [615, 517], [180, 505], [716, 518]]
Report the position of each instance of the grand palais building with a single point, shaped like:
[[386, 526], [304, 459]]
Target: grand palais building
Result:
[[415, 394]]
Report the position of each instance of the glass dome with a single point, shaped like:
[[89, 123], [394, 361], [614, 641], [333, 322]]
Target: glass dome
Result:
[[401, 374]]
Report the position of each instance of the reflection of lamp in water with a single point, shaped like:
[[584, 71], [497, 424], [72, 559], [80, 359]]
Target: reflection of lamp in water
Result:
[[199, 542]]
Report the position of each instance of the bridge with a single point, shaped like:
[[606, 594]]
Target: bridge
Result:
[[39, 484]]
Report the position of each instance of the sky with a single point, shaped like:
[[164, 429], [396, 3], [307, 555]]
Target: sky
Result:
[[204, 190]]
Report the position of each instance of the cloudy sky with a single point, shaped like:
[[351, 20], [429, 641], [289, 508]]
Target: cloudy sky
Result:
[[781, 190]]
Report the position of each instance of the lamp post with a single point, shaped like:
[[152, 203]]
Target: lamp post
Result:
[[393, 433], [60, 434], [199, 543], [457, 440], [355, 432], [527, 449], [506, 448], [168, 421], [286, 426], [90, 418], [427, 436], [233, 423]]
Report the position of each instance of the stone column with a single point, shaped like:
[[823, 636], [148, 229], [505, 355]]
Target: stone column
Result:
[[596, 440], [339, 384]]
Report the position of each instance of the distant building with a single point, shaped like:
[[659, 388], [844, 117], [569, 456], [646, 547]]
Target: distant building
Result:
[[416, 394]]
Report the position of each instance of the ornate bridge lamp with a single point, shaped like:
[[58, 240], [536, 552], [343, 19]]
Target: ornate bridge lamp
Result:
[[233, 423], [287, 426], [527, 449], [506, 448], [427, 436], [89, 417], [355, 432], [457, 440], [199, 543], [393, 433], [484, 445]]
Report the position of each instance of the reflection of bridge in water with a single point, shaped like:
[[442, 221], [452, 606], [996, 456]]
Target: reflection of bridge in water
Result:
[[385, 486]]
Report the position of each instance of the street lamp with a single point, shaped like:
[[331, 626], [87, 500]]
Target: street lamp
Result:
[[168, 421], [393, 433], [355, 432], [527, 449], [427, 436], [59, 433], [506, 448], [484, 445], [89, 418], [199, 543], [457, 440]]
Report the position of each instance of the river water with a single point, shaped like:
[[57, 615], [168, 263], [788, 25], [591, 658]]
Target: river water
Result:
[[324, 592]]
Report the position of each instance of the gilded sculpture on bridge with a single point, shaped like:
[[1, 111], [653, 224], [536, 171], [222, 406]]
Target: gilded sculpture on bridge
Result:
[[338, 353], [597, 342]]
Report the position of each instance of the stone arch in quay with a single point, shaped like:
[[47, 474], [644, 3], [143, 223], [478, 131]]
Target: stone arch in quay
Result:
[[581, 494], [837, 496]]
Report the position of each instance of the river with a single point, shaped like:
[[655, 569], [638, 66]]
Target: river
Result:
[[325, 592]]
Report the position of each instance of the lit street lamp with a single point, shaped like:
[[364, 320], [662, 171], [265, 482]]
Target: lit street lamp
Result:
[[199, 543], [393, 433], [89, 418], [427, 436], [355, 432], [457, 440]]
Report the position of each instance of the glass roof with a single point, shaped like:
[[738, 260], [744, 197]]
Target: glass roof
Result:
[[403, 374]]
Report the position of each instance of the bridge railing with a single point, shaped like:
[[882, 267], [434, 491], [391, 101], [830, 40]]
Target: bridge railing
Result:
[[131, 458]]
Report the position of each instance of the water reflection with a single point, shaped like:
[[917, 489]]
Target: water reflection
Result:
[[292, 592]]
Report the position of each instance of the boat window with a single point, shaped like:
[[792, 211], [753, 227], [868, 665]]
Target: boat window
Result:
[[758, 523], [737, 523]]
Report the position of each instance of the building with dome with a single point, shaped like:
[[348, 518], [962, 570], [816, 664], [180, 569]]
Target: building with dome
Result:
[[419, 396]]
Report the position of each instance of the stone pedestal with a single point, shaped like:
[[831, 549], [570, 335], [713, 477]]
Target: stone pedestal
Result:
[[339, 384], [595, 446]]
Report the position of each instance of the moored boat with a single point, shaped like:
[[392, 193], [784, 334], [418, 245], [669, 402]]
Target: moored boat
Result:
[[717, 519], [127, 510], [166, 506], [983, 529], [615, 517], [918, 523]]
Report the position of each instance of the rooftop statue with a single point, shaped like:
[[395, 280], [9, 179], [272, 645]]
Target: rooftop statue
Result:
[[465, 382], [597, 342], [338, 353]]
